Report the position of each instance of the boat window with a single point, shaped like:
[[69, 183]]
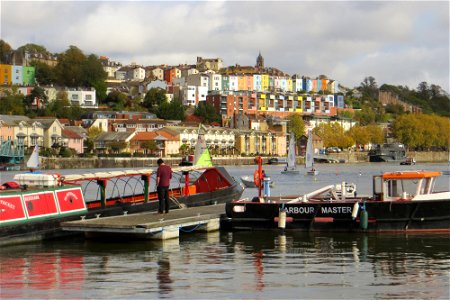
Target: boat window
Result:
[[400, 188]]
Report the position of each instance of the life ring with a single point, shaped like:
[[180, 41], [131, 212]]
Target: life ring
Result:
[[257, 178]]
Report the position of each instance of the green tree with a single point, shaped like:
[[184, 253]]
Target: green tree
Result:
[[116, 100], [12, 104], [45, 75], [369, 88], [184, 149], [33, 48], [296, 125], [95, 76], [69, 69], [149, 146], [5, 50], [207, 113], [171, 111], [39, 95], [154, 98]]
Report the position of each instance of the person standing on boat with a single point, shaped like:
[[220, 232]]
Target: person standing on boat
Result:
[[163, 176]]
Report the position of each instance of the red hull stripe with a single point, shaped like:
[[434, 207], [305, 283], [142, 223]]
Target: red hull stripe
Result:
[[70, 200], [323, 219], [40, 204], [11, 209]]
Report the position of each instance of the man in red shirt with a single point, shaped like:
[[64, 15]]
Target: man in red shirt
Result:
[[163, 176]]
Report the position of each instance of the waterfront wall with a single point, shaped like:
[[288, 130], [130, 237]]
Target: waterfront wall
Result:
[[121, 162]]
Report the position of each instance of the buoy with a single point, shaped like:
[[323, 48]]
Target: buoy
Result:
[[282, 219], [364, 219], [355, 210]]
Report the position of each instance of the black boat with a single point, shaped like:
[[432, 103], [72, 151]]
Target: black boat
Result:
[[388, 153], [401, 201]]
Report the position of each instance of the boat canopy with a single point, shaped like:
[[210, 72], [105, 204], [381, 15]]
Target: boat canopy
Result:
[[125, 173], [411, 175]]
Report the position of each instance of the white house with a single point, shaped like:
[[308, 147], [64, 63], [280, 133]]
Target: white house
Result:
[[83, 98]]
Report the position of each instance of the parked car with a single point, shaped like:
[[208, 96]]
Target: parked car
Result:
[[333, 150]]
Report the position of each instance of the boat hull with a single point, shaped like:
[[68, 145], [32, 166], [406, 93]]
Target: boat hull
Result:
[[216, 187], [328, 216]]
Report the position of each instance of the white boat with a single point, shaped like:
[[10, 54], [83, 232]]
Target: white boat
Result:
[[291, 167], [309, 158], [250, 183], [33, 162]]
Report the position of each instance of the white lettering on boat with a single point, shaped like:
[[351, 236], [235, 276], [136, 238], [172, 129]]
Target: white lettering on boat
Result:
[[31, 197], [337, 210], [7, 204], [300, 210]]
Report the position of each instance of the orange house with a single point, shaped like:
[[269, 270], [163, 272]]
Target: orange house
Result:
[[5, 74]]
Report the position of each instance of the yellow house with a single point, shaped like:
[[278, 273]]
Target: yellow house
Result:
[[265, 82], [261, 143], [52, 132]]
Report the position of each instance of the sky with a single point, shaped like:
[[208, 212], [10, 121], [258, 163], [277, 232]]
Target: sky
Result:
[[396, 42]]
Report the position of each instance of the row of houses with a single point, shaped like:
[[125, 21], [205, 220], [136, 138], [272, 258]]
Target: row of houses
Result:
[[45, 132]]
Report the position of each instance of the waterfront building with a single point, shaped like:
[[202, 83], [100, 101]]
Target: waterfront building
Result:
[[167, 143], [72, 140], [52, 131], [113, 142]]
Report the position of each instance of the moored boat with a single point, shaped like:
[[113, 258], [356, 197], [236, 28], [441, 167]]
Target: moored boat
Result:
[[401, 201], [33, 206]]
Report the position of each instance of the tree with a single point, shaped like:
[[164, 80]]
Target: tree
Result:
[[297, 125], [184, 149], [171, 111], [93, 132], [69, 69], [149, 146], [154, 98], [369, 88], [12, 104], [45, 75], [116, 100], [207, 112], [118, 146], [5, 50], [37, 96], [33, 48], [94, 76]]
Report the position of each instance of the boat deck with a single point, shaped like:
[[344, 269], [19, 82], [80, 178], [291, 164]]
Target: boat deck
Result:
[[151, 225]]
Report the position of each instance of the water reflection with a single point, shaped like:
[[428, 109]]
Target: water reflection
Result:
[[163, 276], [242, 265]]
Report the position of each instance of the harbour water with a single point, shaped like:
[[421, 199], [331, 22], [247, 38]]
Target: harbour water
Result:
[[240, 265]]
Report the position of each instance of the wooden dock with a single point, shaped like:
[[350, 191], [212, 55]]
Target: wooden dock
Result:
[[151, 225]]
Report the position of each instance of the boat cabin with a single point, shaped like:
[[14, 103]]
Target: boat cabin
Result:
[[409, 185]]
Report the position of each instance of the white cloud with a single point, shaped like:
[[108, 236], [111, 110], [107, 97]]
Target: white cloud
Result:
[[396, 42]]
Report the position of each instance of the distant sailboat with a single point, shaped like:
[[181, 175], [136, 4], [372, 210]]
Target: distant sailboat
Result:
[[291, 167], [202, 157], [33, 162], [309, 158]]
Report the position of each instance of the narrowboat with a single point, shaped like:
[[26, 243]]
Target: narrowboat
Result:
[[34, 204], [401, 201]]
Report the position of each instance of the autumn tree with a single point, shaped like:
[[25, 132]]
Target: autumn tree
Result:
[[296, 125]]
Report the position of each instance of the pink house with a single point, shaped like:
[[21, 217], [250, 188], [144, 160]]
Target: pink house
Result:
[[73, 140], [6, 131]]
